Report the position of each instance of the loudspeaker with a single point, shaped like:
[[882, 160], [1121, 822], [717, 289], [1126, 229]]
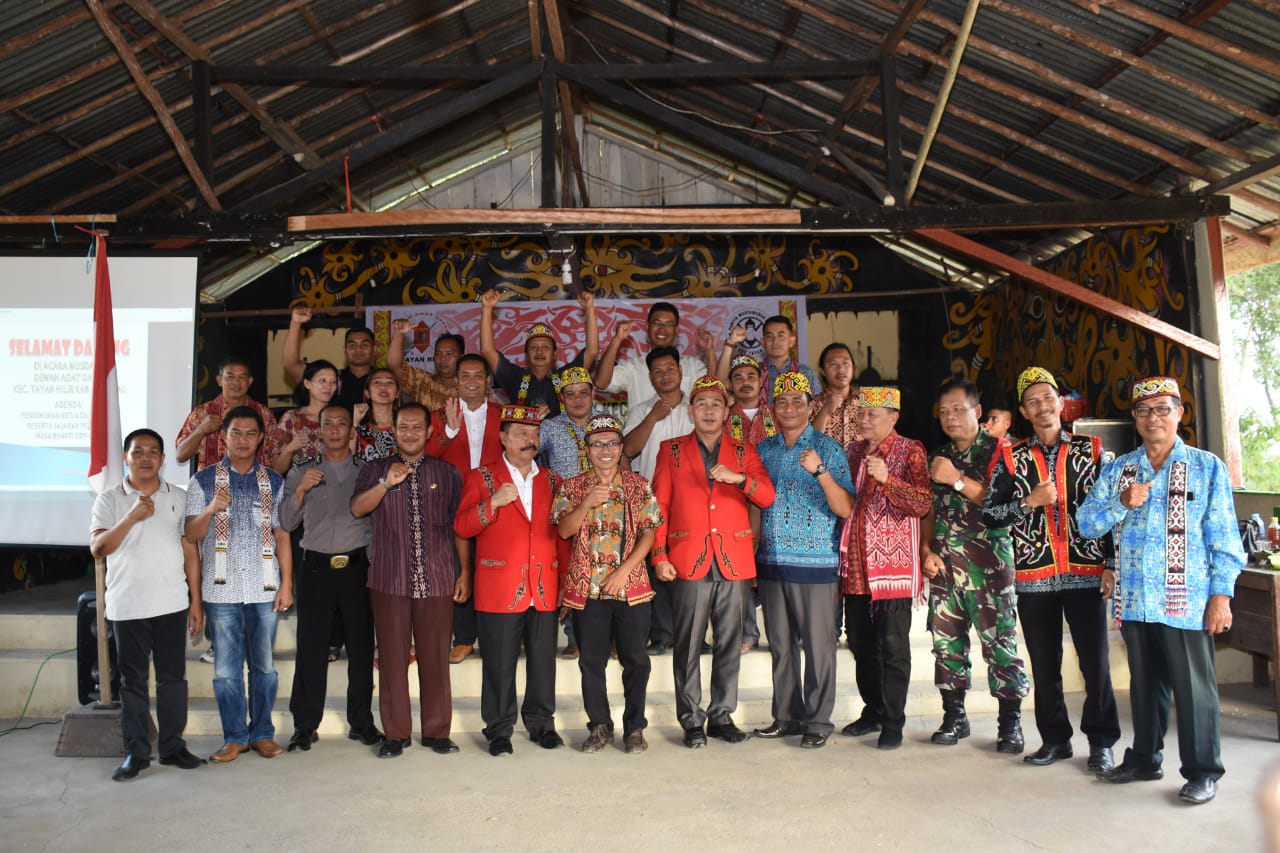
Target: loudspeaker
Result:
[[88, 684]]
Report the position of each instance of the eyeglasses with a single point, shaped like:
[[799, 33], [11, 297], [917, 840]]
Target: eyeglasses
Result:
[[1149, 411], [604, 445], [665, 324]]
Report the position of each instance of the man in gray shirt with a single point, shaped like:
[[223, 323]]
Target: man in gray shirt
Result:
[[330, 580]]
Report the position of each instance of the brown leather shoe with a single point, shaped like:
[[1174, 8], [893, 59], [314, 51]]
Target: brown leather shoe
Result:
[[460, 652], [268, 748], [570, 652], [229, 752]]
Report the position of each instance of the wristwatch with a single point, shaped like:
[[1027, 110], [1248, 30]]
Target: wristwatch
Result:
[[958, 485], [820, 470]]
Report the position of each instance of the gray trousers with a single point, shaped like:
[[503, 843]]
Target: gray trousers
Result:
[[693, 605], [796, 613]]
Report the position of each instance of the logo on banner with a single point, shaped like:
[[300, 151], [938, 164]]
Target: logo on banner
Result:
[[421, 337], [753, 321]]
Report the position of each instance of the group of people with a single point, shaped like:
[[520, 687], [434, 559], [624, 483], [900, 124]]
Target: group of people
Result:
[[435, 520]]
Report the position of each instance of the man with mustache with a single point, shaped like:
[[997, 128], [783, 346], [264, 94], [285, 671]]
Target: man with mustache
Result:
[[506, 508]]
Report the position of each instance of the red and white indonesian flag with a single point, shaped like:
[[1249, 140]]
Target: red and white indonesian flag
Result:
[[106, 467]]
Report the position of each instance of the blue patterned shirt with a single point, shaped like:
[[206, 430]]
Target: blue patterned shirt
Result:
[[799, 534], [1214, 555], [560, 450], [244, 543]]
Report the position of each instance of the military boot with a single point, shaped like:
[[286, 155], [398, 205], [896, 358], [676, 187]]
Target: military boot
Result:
[[955, 724], [1009, 727]]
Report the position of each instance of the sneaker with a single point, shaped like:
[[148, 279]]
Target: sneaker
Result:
[[207, 657], [635, 742], [600, 737]]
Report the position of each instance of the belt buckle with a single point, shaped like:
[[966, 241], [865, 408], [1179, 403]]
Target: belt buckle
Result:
[[339, 561]]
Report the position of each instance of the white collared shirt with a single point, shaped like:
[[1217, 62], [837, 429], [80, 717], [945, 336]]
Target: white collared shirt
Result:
[[475, 420], [524, 485]]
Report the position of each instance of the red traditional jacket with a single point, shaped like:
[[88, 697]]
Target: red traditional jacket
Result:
[[701, 522], [517, 557], [457, 450]]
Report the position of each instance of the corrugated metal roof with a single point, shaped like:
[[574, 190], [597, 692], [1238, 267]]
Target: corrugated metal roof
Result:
[[1055, 99]]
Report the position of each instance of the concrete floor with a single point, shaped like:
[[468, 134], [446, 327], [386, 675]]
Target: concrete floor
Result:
[[758, 795]]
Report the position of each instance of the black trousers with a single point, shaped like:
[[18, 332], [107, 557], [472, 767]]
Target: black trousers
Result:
[[162, 639], [599, 626], [500, 636], [881, 644], [1085, 610], [324, 593], [1166, 662], [661, 624]]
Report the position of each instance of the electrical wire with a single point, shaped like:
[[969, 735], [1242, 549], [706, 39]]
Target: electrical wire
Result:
[[16, 727]]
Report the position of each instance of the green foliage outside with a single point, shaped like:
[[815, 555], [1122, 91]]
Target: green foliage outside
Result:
[[1255, 319]]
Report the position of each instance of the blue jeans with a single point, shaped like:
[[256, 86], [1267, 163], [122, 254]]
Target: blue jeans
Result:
[[243, 631]]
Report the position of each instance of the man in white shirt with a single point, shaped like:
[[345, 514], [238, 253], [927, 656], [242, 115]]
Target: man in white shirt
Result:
[[662, 416], [152, 597], [632, 375]]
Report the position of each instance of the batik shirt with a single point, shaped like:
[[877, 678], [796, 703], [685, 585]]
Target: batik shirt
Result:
[[564, 445], [1146, 537]]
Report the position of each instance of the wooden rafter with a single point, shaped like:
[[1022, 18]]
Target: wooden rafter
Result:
[[157, 103], [568, 126], [1057, 284]]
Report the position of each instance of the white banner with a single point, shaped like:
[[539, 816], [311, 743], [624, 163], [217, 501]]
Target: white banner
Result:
[[513, 319]]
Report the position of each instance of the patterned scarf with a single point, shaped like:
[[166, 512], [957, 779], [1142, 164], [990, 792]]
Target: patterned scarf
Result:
[[736, 420], [1175, 578], [526, 380], [417, 534], [584, 464], [222, 526]]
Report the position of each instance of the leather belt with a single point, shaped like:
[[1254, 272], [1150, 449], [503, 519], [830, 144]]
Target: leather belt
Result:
[[338, 561]]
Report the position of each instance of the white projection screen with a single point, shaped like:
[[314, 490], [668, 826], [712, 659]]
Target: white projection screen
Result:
[[46, 323]]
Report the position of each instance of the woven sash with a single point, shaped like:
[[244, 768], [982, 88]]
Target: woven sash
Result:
[[222, 526]]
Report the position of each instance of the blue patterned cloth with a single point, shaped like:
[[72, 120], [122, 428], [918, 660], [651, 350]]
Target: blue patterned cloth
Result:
[[772, 372], [244, 545], [560, 444], [1214, 554], [799, 534]]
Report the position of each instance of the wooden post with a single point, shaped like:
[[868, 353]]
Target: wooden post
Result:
[[105, 699]]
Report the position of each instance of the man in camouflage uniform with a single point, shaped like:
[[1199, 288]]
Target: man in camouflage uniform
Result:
[[971, 574]]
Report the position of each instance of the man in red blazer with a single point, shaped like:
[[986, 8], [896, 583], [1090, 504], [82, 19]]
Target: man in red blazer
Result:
[[506, 508], [703, 482], [465, 434]]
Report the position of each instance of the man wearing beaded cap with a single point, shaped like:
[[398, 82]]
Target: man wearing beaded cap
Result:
[[752, 422], [704, 482], [1036, 488], [564, 449], [798, 561], [970, 571], [506, 508], [609, 517], [1172, 518], [536, 384], [880, 561]]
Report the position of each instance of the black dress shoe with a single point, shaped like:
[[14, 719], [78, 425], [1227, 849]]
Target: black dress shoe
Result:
[[859, 727], [368, 737], [393, 747], [889, 739], [182, 759], [1125, 772], [1199, 791], [1049, 753], [657, 647], [302, 740], [130, 767], [440, 745], [727, 732], [776, 730], [695, 738], [1101, 759], [549, 739], [500, 746], [813, 740], [706, 649]]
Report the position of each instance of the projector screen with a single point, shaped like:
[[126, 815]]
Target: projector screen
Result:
[[46, 323]]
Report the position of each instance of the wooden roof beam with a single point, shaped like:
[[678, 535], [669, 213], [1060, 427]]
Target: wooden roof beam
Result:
[[153, 97], [1065, 287], [568, 121]]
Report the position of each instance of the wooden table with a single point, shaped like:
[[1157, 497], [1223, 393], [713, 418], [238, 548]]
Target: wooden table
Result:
[[1255, 611]]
